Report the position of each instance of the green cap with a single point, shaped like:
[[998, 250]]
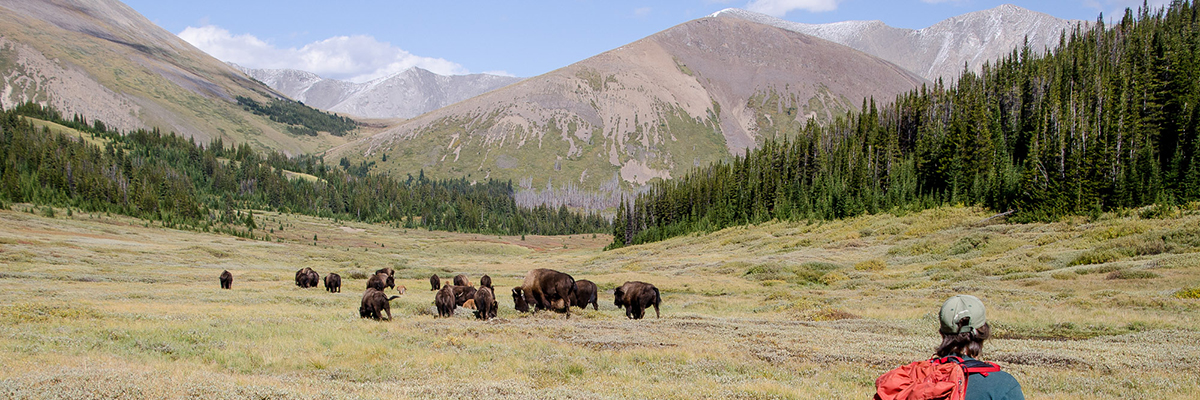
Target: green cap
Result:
[[958, 308]]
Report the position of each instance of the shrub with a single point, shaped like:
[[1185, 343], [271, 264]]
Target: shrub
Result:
[[1097, 257], [1132, 274], [871, 265], [1188, 293]]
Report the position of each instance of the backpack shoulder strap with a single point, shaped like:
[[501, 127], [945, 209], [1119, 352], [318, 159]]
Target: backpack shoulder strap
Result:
[[979, 367]]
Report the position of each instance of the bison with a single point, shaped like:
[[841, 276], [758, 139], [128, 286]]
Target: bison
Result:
[[435, 283], [462, 294], [486, 281], [444, 299], [585, 292], [519, 300], [485, 304], [461, 280], [381, 280], [635, 297], [387, 270], [333, 283], [226, 280], [306, 278], [549, 289], [375, 304]]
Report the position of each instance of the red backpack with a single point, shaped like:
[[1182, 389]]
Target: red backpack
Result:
[[936, 378]]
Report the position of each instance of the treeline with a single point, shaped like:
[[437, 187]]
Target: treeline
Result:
[[1107, 120], [300, 119], [169, 178]]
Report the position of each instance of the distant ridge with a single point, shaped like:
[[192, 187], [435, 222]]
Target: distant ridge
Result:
[[407, 94], [696, 93], [941, 50]]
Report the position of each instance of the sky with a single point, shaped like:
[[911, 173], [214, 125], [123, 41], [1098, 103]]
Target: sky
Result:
[[361, 40]]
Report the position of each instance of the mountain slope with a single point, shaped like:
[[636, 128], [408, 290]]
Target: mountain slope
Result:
[[103, 60], [690, 95], [941, 50], [404, 95]]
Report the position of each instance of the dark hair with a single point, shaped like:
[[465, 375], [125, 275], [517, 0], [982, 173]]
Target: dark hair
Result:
[[968, 344]]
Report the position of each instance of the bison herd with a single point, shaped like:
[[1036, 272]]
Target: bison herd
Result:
[[542, 289]]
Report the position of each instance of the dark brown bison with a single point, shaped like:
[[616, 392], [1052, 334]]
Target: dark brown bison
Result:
[[549, 289], [519, 300], [226, 280], [461, 280], [381, 280], [375, 304], [585, 292], [387, 270], [435, 283], [462, 294], [635, 297], [306, 278], [333, 283], [486, 281], [444, 299], [485, 304]]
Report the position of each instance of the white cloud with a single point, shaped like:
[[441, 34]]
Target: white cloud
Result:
[[642, 12], [778, 8], [358, 58]]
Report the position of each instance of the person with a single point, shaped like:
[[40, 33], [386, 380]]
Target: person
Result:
[[964, 329]]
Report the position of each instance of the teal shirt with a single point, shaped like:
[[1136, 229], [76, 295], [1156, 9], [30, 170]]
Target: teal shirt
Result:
[[998, 385]]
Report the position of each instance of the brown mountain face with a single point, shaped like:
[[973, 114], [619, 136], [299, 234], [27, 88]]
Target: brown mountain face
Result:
[[693, 94], [103, 60]]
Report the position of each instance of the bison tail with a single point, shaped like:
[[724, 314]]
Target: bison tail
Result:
[[393, 298]]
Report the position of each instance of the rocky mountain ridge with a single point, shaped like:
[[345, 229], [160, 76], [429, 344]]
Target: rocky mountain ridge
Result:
[[941, 50], [404, 95]]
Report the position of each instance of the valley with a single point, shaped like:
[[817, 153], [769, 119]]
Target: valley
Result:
[[102, 306]]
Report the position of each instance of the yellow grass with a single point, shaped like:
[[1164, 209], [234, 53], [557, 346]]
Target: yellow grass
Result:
[[95, 306]]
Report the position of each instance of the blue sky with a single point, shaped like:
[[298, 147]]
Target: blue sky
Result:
[[360, 40]]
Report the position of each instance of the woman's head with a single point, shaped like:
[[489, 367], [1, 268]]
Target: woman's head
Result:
[[964, 326]]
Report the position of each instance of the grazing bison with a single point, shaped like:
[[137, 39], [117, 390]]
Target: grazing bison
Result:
[[462, 294], [461, 280], [485, 304], [387, 270], [226, 280], [435, 283], [375, 304], [306, 278], [585, 292], [486, 281], [549, 289], [519, 300], [444, 299], [635, 297], [333, 283], [381, 280]]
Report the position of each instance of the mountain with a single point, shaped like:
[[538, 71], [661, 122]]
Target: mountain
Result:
[[941, 50], [104, 61], [404, 95], [693, 94]]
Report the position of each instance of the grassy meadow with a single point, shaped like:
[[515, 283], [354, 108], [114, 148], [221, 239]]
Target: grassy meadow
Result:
[[96, 306]]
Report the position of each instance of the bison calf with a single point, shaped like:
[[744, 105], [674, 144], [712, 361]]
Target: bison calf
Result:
[[375, 304], [635, 297], [226, 280], [485, 304], [333, 283]]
